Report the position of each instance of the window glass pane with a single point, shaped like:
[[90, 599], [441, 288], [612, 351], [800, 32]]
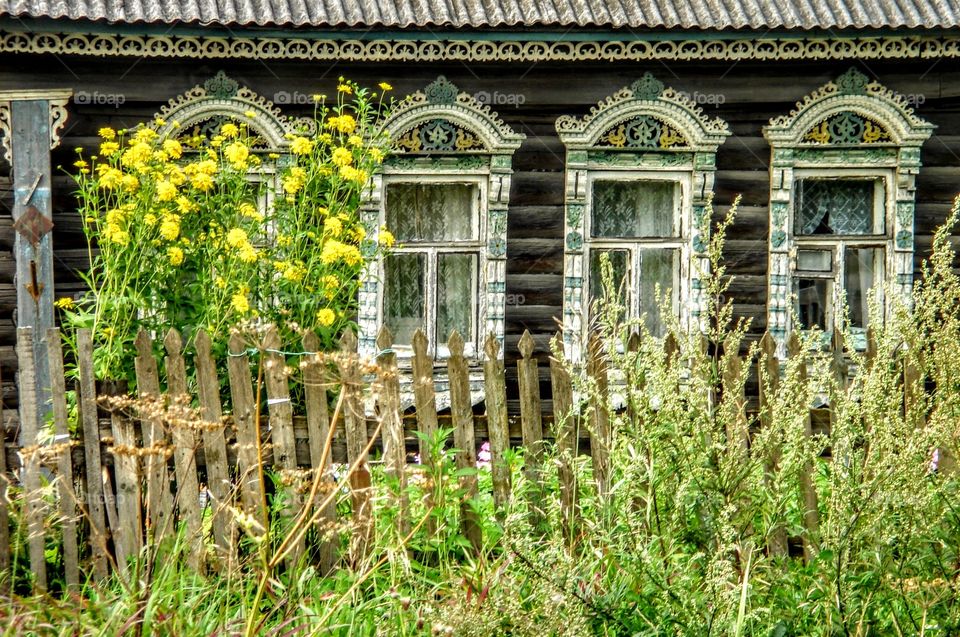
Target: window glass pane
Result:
[[863, 269], [619, 264], [634, 209], [658, 266], [431, 212], [814, 303], [456, 291], [815, 260], [838, 206], [403, 295]]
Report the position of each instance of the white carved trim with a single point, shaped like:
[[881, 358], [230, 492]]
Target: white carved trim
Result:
[[57, 99]]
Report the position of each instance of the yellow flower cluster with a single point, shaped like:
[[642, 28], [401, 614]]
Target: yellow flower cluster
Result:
[[345, 124], [355, 175], [237, 154], [295, 180], [301, 146], [326, 317], [341, 157], [336, 251]]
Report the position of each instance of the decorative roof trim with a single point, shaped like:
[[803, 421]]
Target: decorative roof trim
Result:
[[646, 96], [221, 95], [441, 99], [433, 50], [852, 91]]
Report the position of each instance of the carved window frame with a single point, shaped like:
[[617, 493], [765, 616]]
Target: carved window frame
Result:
[[851, 127], [483, 155], [600, 145]]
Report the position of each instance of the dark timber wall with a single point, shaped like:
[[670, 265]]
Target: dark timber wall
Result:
[[745, 94]]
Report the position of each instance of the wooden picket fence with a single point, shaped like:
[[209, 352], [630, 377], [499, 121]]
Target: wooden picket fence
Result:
[[118, 490]]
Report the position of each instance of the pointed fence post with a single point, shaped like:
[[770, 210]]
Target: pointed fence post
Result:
[[318, 432], [600, 441], [497, 428], [811, 506], [461, 410], [566, 433], [425, 402], [184, 448], [768, 380], [96, 508], [155, 440], [67, 493], [219, 485], [355, 425], [531, 425], [394, 447], [30, 452]]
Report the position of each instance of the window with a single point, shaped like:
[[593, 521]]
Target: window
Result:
[[841, 206], [639, 174], [431, 282]]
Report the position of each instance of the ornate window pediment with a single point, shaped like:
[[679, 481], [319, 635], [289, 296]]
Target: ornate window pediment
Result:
[[444, 195], [639, 176], [841, 204]]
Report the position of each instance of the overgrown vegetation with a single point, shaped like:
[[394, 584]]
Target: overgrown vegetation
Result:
[[703, 529]]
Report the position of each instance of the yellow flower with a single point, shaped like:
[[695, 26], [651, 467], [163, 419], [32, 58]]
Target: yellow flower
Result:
[[80, 163], [229, 130], [107, 134], [237, 153], [145, 135], [345, 88], [294, 181], [217, 141], [376, 155], [115, 217], [385, 87], [334, 251], [386, 238], [250, 114], [355, 140], [202, 181], [130, 183], [247, 253], [294, 273], [274, 155], [184, 205], [115, 234], [318, 97], [236, 238], [283, 240], [170, 228], [353, 174], [344, 123], [64, 303], [173, 148], [175, 254], [240, 303], [137, 155], [166, 191], [159, 121], [301, 146], [110, 178], [150, 219], [160, 156], [250, 211], [334, 226], [220, 282], [326, 317], [342, 157], [176, 176], [109, 148]]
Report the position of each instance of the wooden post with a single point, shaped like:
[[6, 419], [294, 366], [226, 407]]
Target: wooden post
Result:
[[811, 506], [126, 467], [245, 414], [461, 411], [67, 493], [30, 452], [96, 509], [281, 429], [566, 436], [184, 448], [531, 425], [214, 446], [355, 425], [768, 380], [497, 427], [600, 419], [159, 499], [35, 120], [318, 432], [394, 448], [425, 402]]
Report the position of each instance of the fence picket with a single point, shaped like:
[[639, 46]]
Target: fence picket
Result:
[[96, 510], [425, 404], [126, 469], [531, 424], [184, 447], [318, 430], [768, 379], [67, 491], [811, 506], [247, 419], [391, 420], [29, 430], [600, 417], [214, 446], [497, 428], [565, 423], [355, 425], [461, 410]]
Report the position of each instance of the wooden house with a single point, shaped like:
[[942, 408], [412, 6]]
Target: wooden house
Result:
[[544, 133]]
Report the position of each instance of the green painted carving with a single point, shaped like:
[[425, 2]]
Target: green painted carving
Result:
[[574, 241], [497, 247], [647, 87], [853, 82], [464, 162], [904, 239], [847, 128], [441, 91], [221, 86], [640, 160], [644, 131], [845, 155], [777, 238], [574, 214]]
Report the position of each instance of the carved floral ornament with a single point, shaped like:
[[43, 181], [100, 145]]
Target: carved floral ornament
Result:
[[204, 107], [56, 98]]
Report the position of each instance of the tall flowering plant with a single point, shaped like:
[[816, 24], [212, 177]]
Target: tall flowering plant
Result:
[[206, 231]]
